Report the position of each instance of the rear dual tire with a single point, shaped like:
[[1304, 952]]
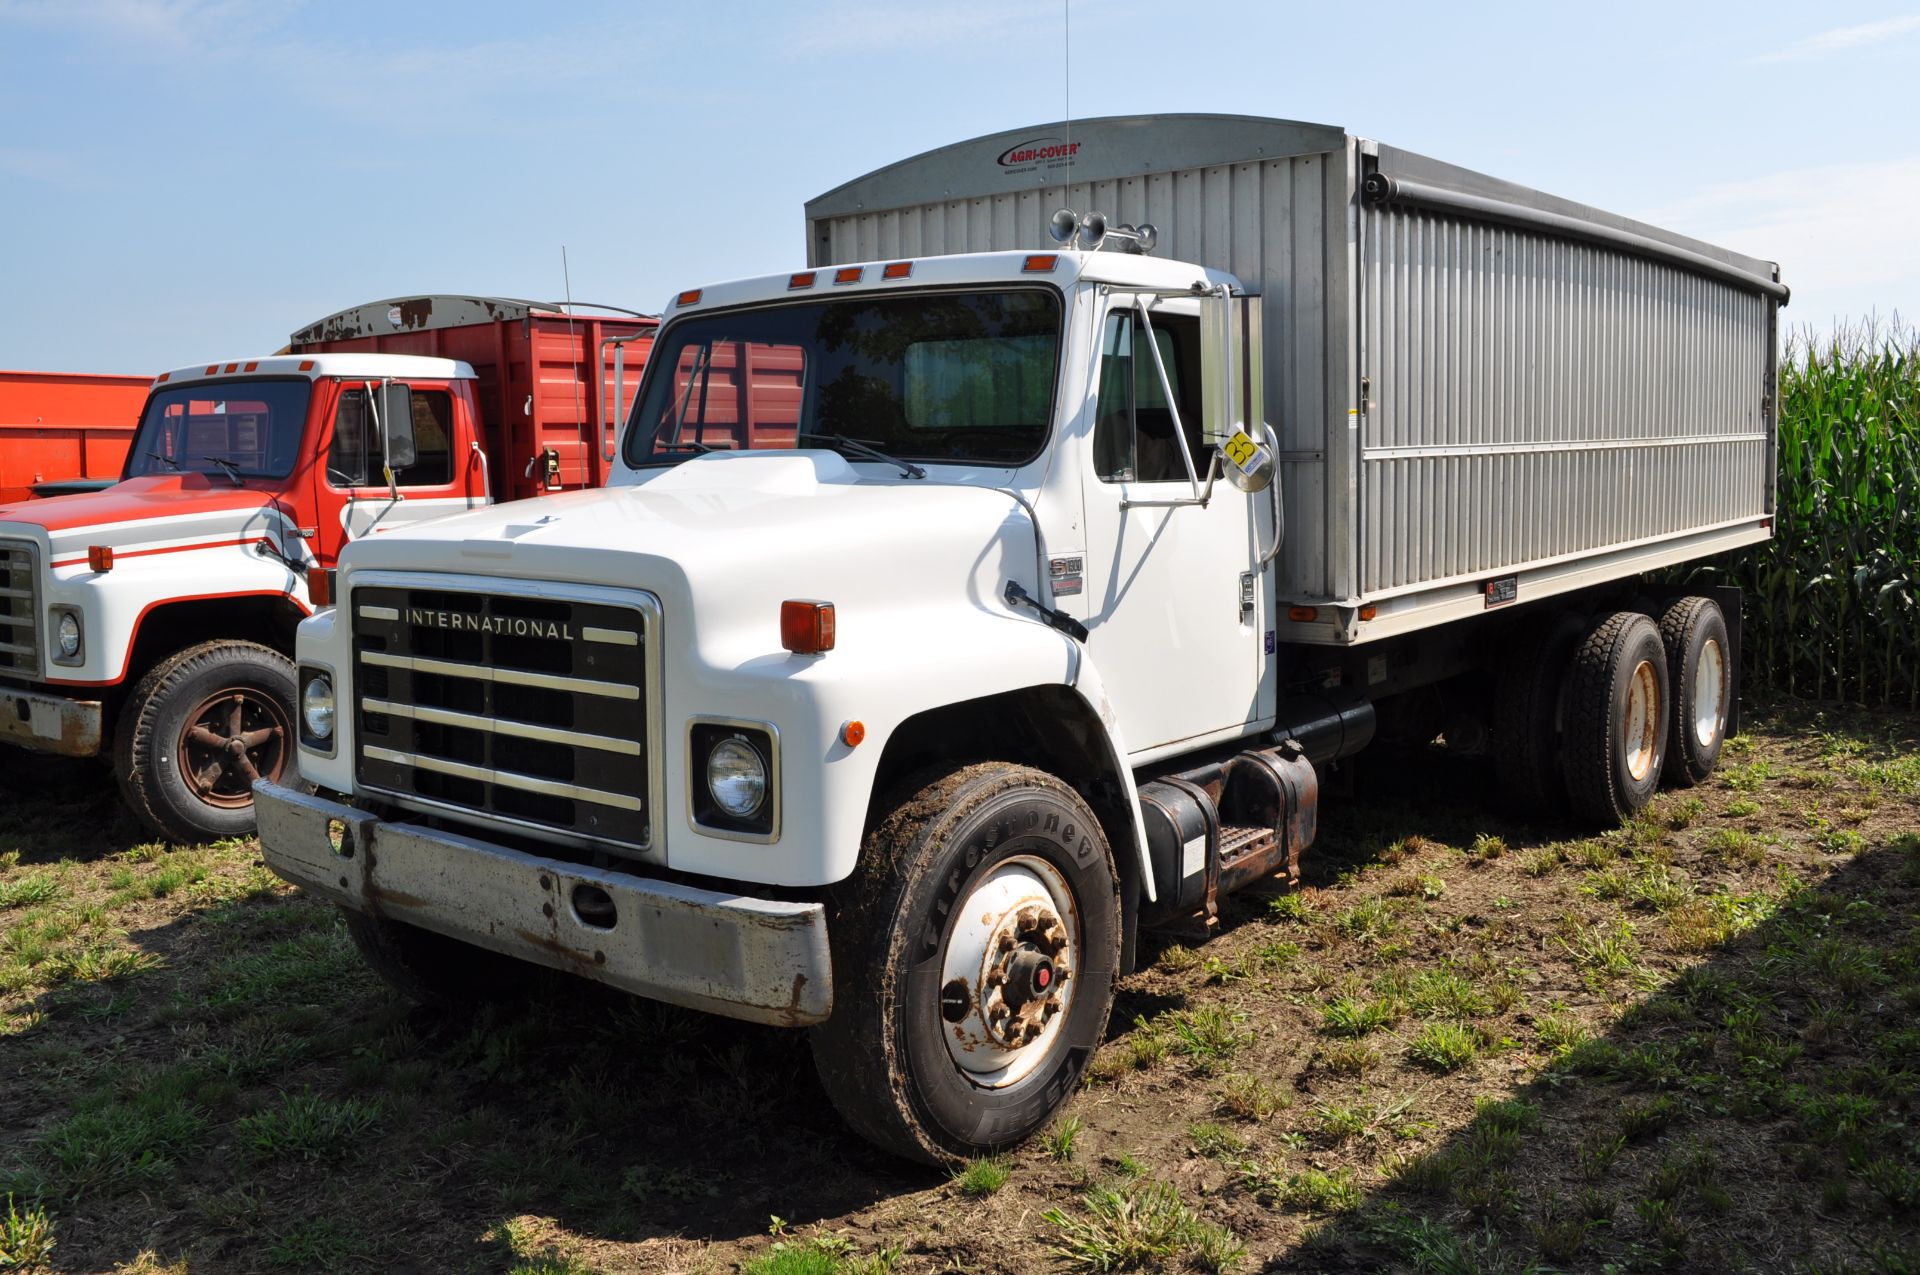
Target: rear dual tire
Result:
[[1616, 719], [1701, 672]]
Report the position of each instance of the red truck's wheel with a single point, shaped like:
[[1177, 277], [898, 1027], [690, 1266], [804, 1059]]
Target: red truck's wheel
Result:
[[433, 969], [974, 958], [196, 733]]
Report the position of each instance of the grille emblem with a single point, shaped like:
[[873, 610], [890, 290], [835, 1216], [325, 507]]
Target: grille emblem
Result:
[[503, 625]]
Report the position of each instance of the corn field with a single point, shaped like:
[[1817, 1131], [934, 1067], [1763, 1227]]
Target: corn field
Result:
[[1831, 606]]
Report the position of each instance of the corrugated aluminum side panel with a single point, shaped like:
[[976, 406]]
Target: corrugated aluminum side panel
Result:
[[1533, 398], [1281, 225]]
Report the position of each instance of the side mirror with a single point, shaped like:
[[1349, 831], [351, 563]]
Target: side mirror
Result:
[[1233, 386], [396, 425]]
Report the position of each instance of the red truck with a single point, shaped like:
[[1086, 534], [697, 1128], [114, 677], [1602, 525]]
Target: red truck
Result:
[[65, 428], [151, 622]]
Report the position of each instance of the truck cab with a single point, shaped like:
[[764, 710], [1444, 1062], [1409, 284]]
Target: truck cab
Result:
[[151, 620]]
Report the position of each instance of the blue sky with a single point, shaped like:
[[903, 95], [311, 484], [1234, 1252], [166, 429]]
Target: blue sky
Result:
[[190, 179]]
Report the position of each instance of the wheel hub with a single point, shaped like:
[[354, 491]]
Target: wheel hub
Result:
[[1709, 694], [1008, 971], [231, 740], [1641, 724]]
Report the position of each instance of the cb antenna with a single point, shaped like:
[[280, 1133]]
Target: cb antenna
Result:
[[1066, 81]]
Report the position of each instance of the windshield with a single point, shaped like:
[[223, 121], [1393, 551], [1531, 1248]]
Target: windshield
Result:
[[249, 429], [962, 378]]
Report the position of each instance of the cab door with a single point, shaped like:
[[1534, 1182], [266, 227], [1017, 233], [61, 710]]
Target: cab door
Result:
[[1174, 608], [353, 479]]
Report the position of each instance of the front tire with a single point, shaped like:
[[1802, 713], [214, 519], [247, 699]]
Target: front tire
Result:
[[197, 731], [432, 969], [974, 958]]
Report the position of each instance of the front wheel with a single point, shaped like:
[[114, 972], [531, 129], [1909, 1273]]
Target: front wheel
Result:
[[196, 733], [974, 959]]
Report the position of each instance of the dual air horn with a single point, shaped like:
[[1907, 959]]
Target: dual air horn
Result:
[[1092, 232]]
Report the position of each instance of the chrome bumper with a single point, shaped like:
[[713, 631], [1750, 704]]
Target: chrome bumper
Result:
[[50, 723], [757, 959]]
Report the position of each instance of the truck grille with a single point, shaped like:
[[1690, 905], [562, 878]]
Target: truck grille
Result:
[[530, 710], [19, 610]]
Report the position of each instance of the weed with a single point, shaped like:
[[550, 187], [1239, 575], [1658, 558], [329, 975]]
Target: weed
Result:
[[1216, 1141], [1607, 951], [1446, 993], [34, 888], [1742, 808], [1177, 957], [1351, 1057], [1641, 1120], [1210, 1036], [981, 1178], [26, 1239], [1444, 1046], [1316, 1191], [1432, 1247], [1293, 907], [1350, 1016], [1596, 1153], [1141, 1225], [317, 1244], [1369, 921], [1538, 863], [308, 1126], [1059, 1140], [1486, 848], [1419, 885], [1251, 1098], [1669, 1231], [1682, 813], [1560, 1034]]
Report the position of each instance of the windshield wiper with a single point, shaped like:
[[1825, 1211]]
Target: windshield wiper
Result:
[[231, 468], [684, 445], [164, 459], [869, 451]]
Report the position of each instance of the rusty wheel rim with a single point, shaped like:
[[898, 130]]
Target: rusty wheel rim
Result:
[[233, 738], [1642, 722]]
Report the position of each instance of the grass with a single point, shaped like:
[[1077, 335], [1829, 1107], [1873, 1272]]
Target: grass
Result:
[[1141, 1225], [983, 1177], [26, 1237], [197, 1065]]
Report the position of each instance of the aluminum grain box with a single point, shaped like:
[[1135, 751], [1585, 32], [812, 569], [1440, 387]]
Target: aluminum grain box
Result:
[[1481, 391]]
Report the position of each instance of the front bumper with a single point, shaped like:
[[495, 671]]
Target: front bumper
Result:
[[50, 723], [756, 959]]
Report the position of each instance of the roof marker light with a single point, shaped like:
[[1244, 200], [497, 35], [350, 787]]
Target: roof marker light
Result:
[[251, 366], [163, 376], [232, 367], [848, 274], [690, 297], [211, 369], [802, 280], [306, 365], [1040, 261], [897, 270]]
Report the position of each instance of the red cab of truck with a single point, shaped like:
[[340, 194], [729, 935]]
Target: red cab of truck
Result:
[[151, 621]]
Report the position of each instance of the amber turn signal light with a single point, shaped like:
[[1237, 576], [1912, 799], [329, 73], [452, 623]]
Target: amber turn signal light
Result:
[[319, 587], [100, 557], [806, 628]]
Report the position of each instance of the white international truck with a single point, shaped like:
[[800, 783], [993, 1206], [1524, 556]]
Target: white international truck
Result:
[[979, 593]]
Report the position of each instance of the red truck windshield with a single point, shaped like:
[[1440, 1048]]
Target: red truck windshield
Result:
[[951, 377], [249, 429]]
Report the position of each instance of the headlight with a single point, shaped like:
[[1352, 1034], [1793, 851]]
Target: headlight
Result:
[[67, 633], [737, 777], [316, 707]]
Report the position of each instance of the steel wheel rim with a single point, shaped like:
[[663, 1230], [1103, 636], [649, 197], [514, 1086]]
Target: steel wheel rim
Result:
[[1709, 693], [1642, 722], [233, 738], [1007, 976]]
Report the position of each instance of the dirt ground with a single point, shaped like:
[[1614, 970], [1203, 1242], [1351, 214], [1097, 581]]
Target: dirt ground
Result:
[[1472, 1043]]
